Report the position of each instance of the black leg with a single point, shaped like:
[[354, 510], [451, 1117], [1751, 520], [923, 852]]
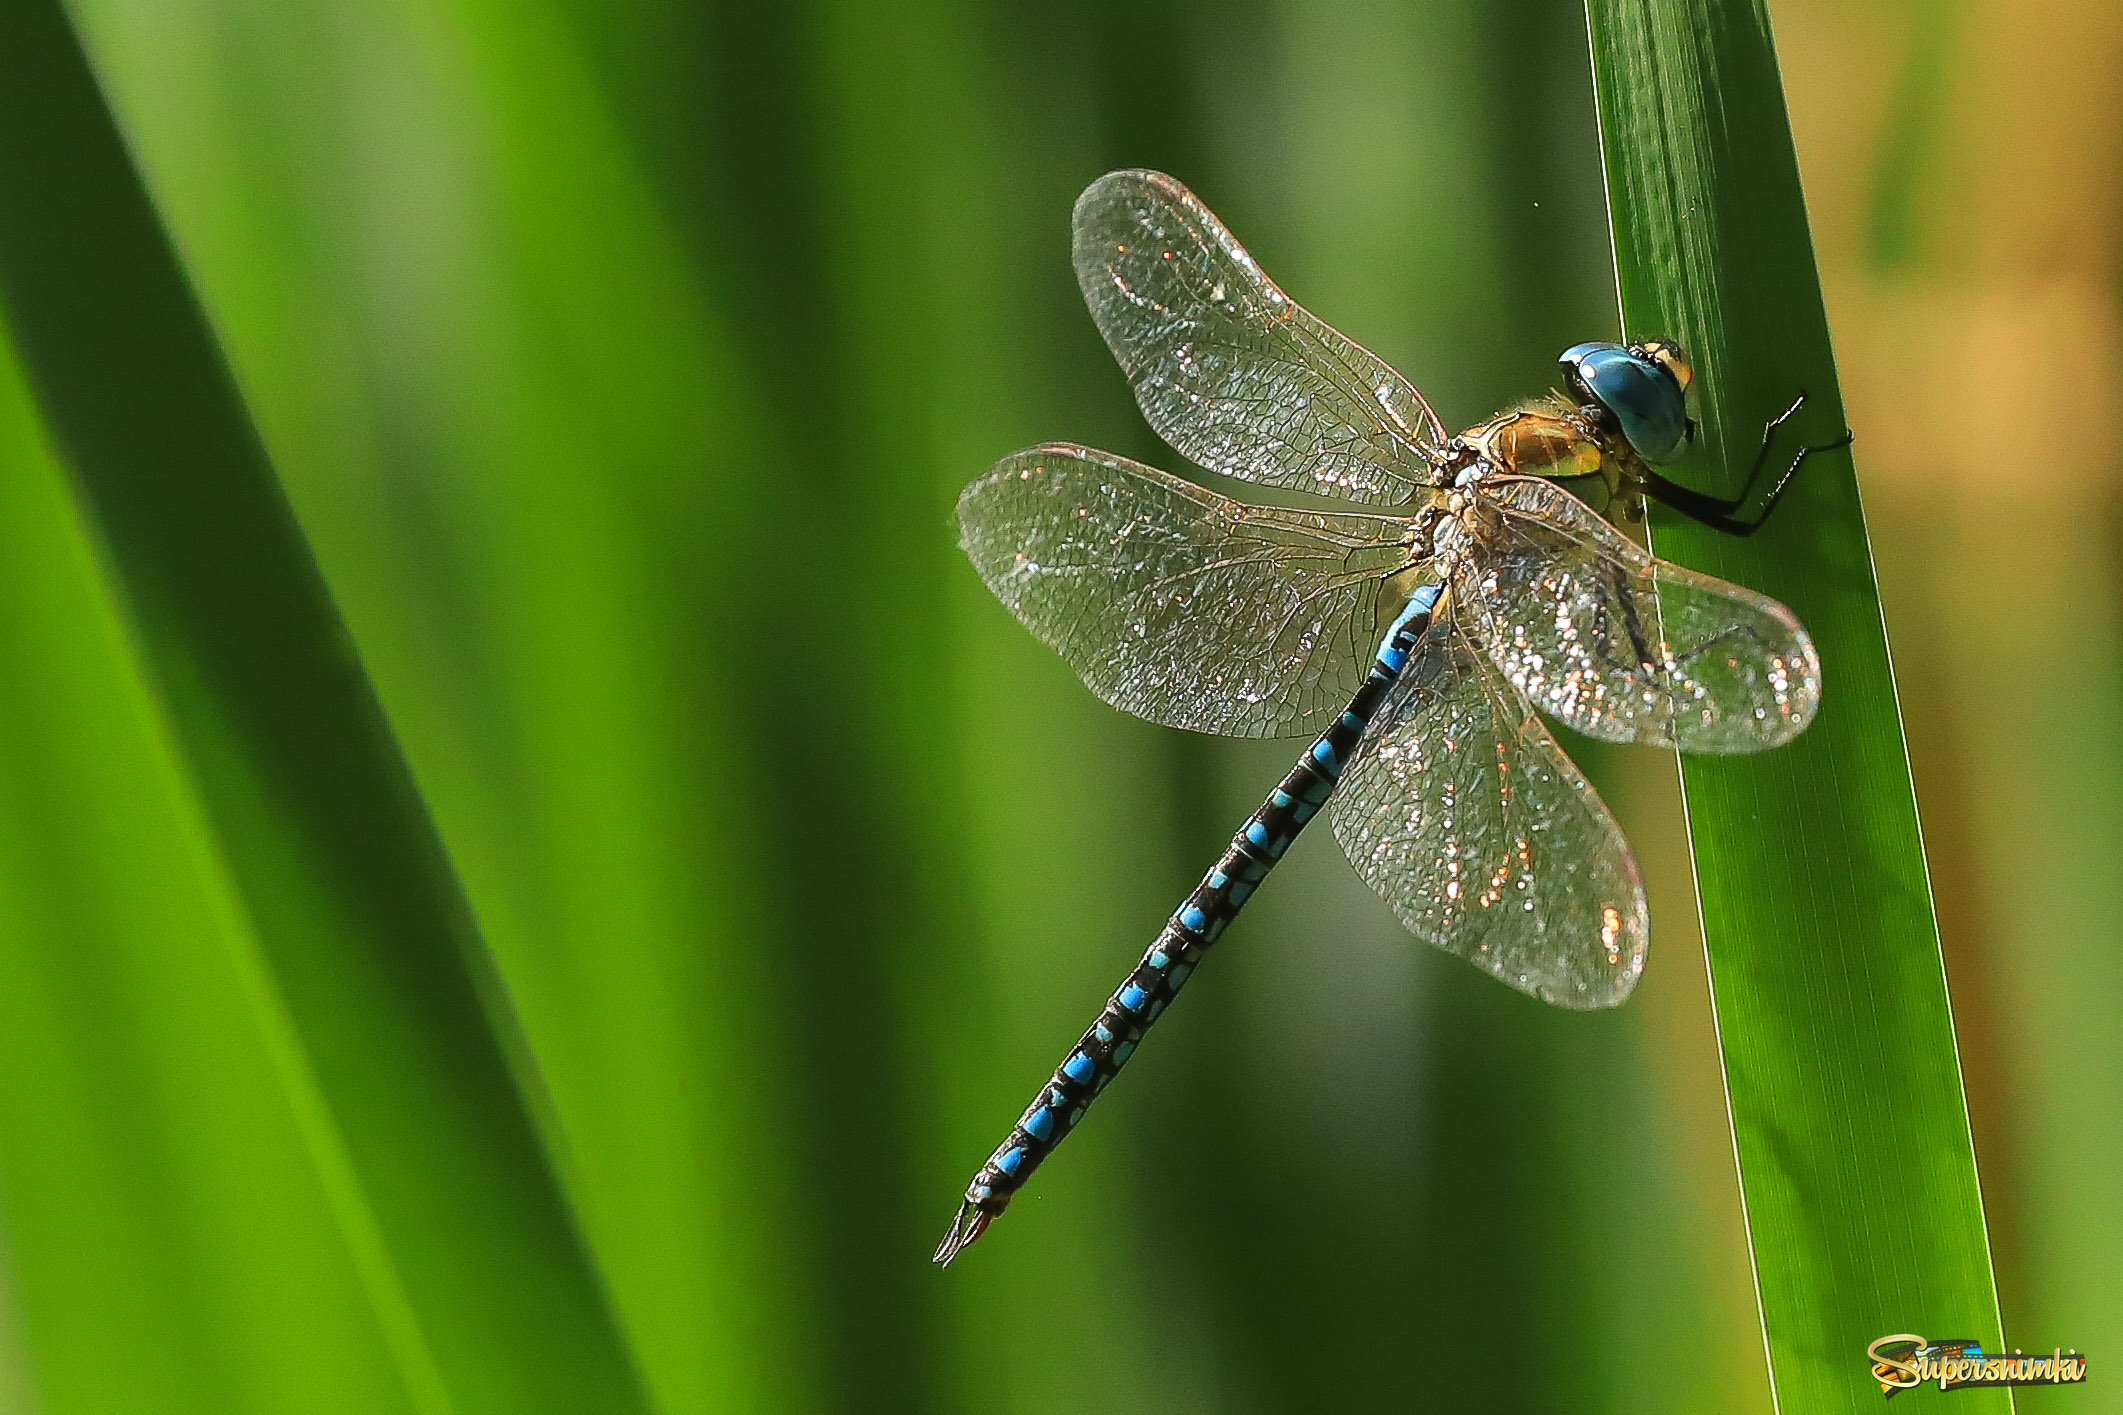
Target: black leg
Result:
[[1721, 513]]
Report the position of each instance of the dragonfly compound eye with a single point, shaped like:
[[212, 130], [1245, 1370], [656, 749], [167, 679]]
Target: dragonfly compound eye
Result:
[[1646, 398]]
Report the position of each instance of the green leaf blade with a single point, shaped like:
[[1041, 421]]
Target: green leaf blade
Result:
[[401, 1045]]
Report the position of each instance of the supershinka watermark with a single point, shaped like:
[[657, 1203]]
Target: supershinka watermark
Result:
[[1905, 1361]]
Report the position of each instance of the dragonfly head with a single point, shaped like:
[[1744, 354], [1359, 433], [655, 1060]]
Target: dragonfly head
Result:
[[1642, 389]]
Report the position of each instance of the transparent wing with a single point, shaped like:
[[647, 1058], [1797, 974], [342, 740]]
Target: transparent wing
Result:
[[1177, 604], [1621, 646], [1232, 372], [1466, 817]]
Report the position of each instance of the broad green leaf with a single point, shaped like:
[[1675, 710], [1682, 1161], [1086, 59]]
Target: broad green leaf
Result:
[[169, 1240], [399, 1047]]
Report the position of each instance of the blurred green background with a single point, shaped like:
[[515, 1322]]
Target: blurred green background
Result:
[[622, 363]]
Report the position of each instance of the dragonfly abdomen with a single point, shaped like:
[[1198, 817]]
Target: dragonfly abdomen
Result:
[[1140, 1000]]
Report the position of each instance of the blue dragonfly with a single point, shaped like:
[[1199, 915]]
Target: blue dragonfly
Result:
[[1417, 638]]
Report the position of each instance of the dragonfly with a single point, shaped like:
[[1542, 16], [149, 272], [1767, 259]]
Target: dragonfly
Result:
[[1421, 637]]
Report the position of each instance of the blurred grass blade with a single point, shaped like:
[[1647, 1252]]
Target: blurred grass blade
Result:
[[167, 1233], [424, 1136], [1852, 1137]]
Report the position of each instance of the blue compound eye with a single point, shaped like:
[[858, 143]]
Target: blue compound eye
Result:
[[1641, 392]]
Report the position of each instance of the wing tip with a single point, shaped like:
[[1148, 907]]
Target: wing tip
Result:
[[1131, 192], [1609, 993], [1016, 465], [1611, 980], [1133, 177]]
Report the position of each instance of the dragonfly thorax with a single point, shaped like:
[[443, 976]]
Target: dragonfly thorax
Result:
[[1625, 410], [1554, 438], [1471, 519], [1548, 438]]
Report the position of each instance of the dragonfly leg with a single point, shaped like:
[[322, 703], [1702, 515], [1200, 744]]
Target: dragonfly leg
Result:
[[1722, 513]]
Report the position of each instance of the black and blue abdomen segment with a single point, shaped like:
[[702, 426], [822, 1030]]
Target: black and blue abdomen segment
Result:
[[1103, 1050]]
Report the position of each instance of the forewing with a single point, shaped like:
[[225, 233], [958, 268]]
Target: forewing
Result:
[[1622, 646], [1232, 372], [1466, 817], [1176, 604]]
